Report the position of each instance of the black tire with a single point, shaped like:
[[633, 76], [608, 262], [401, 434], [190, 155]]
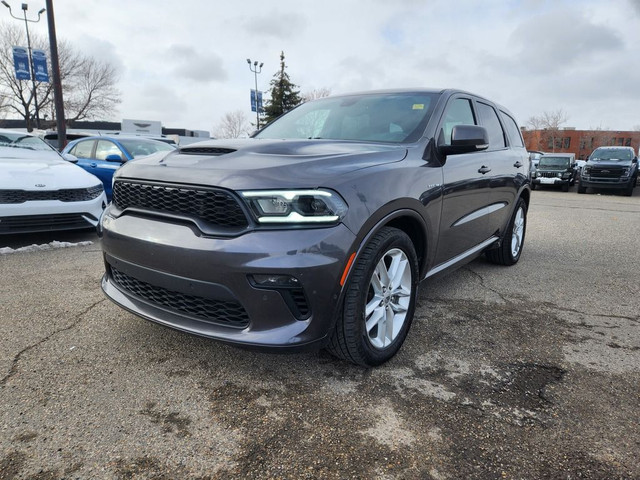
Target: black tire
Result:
[[581, 189], [565, 187], [629, 190], [533, 186], [508, 253], [351, 340]]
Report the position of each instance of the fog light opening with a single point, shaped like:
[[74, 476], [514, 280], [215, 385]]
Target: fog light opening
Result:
[[275, 281]]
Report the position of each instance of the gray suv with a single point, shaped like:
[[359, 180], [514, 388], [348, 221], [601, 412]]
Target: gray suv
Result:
[[317, 231]]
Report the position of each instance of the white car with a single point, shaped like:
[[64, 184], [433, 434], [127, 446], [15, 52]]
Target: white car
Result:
[[41, 191]]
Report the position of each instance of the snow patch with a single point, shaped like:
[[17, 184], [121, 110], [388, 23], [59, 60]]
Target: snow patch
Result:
[[46, 246]]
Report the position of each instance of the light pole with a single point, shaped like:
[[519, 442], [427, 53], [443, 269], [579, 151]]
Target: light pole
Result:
[[256, 69], [33, 70]]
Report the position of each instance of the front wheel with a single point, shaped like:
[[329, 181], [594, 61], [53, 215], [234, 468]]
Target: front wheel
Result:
[[510, 249], [581, 189], [379, 300]]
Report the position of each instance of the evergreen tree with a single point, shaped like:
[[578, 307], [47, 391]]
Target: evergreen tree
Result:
[[284, 95]]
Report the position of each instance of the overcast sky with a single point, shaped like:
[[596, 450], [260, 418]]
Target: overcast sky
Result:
[[184, 63]]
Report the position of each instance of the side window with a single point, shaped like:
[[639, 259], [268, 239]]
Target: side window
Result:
[[106, 148], [459, 112], [512, 130], [83, 149], [489, 120]]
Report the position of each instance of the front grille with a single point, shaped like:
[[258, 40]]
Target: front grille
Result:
[[206, 151], [606, 172], [213, 206], [44, 223], [548, 174], [66, 195], [228, 314]]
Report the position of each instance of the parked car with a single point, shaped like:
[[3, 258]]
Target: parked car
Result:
[[556, 169], [612, 168], [317, 231], [534, 158], [101, 156], [41, 191]]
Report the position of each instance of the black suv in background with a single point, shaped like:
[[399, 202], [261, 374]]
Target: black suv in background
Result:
[[611, 168], [555, 169], [317, 231]]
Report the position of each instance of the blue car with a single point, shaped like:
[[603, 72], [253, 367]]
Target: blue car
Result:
[[102, 156]]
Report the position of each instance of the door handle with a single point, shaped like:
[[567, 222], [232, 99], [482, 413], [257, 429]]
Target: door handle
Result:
[[484, 169], [517, 164]]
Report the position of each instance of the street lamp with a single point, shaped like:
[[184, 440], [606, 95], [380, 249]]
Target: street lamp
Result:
[[33, 70], [256, 69]]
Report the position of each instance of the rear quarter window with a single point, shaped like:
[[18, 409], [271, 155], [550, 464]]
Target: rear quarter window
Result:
[[513, 132]]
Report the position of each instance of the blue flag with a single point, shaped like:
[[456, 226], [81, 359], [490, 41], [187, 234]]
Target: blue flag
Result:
[[21, 63], [40, 65]]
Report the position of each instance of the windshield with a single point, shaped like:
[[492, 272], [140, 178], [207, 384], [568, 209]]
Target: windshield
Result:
[[612, 154], [141, 147], [392, 118], [20, 140], [554, 162]]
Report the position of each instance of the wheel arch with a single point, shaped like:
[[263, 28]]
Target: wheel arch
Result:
[[407, 220]]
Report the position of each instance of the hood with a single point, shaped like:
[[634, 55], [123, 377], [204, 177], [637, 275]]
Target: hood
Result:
[[609, 163], [22, 169], [252, 163]]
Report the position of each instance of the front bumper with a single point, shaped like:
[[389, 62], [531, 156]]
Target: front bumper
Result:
[[50, 215], [606, 183], [550, 181], [167, 273]]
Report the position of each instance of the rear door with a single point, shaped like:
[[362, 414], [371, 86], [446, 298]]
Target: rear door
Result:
[[84, 151], [506, 163], [106, 168]]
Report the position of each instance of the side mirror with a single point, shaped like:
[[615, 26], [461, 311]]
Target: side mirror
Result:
[[635, 160], [466, 139], [114, 158], [70, 158]]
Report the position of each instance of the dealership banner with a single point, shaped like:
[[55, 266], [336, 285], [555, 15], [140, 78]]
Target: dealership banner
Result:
[[256, 101], [40, 65], [21, 63]]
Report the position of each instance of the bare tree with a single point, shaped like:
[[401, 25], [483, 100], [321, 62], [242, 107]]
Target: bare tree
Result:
[[233, 125], [550, 124], [316, 93], [89, 85], [90, 90]]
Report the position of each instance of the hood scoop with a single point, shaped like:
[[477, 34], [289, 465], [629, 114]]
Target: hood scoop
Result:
[[217, 151]]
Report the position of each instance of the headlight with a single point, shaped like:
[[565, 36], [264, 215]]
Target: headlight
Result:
[[566, 175], [559, 174], [625, 172], [586, 170], [296, 206]]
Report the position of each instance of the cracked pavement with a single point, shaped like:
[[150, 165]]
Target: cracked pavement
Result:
[[523, 372]]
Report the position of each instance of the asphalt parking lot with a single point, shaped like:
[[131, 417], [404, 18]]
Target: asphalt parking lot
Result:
[[523, 372]]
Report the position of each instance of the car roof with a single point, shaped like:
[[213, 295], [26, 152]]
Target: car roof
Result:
[[7, 130], [615, 147]]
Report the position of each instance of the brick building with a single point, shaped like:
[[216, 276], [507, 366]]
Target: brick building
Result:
[[580, 142]]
